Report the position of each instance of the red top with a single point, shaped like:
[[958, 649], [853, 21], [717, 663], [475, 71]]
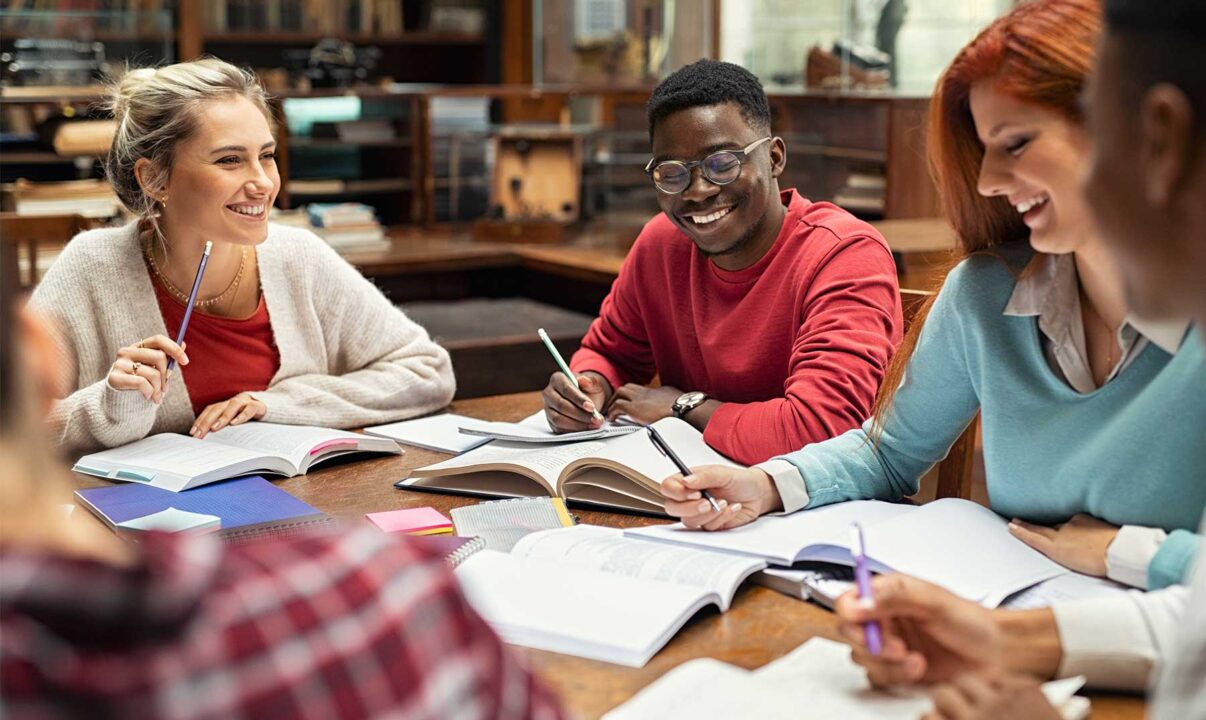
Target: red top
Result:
[[227, 356], [795, 345]]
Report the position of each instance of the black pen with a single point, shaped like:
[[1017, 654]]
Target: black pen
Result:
[[660, 443]]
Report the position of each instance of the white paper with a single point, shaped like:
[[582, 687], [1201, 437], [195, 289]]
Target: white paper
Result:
[[816, 680], [1064, 588], [172, 520], [535, 429], [438, 432]]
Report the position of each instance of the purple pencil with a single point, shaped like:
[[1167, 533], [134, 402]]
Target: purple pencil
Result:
[[192, 300], [862, 577]]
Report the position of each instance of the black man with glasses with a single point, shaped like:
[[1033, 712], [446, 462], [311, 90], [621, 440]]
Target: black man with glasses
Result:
[[768, 319]]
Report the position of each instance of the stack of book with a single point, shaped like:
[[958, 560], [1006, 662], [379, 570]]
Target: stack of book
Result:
[[863, 194], [90, 198], [348, 226]]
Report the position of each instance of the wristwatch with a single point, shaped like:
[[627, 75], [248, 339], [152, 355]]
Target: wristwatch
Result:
[[687, 402]]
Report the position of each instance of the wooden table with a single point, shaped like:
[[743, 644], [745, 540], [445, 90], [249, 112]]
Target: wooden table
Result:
[[761, 625]]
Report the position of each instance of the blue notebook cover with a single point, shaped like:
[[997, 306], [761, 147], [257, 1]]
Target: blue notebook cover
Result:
[[242, 503]]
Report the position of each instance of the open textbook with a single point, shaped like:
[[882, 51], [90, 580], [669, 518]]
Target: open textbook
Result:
[[592, 592], [958, 544], [816, 680], [179, 462], [618, 473]]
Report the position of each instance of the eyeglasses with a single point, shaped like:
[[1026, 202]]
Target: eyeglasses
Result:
[[720, 168]]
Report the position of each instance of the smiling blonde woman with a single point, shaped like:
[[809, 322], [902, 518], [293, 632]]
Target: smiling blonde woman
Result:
[[284, 329]]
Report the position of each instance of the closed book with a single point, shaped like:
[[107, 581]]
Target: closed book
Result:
[[248, 507]]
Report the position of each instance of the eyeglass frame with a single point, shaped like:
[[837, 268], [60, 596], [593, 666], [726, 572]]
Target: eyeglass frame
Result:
[[690, 165]]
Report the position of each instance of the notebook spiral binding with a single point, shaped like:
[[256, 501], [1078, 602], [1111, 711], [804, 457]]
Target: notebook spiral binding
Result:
[[464, 552], [285, 529]]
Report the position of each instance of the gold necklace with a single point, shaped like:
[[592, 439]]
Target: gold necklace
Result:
[[1111, 333], [183, 296]]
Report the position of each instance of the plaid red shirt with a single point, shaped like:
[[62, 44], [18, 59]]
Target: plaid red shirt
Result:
[[360, 625]]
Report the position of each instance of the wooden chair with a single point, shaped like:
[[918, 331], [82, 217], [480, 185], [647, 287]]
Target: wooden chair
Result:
[[23, 235], [954, 472]]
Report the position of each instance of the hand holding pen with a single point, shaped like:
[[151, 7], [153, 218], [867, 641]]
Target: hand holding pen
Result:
[[660, 443], [145, 367]]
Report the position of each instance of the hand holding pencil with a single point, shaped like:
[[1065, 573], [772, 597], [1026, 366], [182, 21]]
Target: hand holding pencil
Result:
[[572, 402]]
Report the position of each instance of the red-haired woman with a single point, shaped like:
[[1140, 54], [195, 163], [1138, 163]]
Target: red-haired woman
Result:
[[1092, 418]]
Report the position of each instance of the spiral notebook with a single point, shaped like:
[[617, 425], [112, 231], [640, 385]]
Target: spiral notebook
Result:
[[502, 523], [249, 507], [455, 550]]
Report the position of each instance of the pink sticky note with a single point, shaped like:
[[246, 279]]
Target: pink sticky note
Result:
[[412, 520]]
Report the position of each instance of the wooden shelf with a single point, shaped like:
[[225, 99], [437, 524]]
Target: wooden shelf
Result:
[[40, 157], [359, 187], [309, 38], [308, 142], [841, 153]]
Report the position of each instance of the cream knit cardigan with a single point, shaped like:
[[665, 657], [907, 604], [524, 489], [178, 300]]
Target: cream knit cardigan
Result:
[[348, 357]]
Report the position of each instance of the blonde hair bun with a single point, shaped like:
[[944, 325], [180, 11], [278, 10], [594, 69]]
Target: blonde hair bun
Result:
[[156, 110]]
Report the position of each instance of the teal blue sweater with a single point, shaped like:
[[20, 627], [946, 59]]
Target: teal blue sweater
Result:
[[1131, 453]]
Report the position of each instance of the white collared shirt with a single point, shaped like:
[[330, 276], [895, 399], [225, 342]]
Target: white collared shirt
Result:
[[1050, 291]]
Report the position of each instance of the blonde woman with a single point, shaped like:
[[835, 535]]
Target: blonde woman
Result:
[[182, 626], [284, 330]]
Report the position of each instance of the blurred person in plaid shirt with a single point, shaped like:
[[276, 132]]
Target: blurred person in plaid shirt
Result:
[[181, 626]]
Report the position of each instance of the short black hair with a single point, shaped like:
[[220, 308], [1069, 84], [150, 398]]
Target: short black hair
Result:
[[1164, 42], [710, 82]]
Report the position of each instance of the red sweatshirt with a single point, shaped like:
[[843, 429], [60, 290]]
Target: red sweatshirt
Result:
[[794, 345]]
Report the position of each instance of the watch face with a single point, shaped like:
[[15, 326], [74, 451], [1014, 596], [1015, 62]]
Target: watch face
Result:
[[688, 401]]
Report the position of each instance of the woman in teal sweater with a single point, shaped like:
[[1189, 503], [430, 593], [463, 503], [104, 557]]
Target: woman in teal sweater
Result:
[[1093, 420]]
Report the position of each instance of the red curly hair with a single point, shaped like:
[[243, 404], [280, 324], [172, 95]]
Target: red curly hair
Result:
[[1041, 53]]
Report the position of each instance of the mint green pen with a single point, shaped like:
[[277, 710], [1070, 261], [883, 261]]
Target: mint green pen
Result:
[[548, 343]]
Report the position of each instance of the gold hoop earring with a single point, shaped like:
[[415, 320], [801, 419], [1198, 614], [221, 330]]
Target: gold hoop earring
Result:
[[163, 201]]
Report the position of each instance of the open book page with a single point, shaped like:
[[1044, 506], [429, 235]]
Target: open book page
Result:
[[635, 457], [577, 611], [607, 550], [779, 539], [296, 443], [1064, 588], [962, 546], [535, 429], [818, 677], [541, 464], [173, 461]]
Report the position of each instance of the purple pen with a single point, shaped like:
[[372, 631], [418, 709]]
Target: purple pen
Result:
[[192, 299], [862, 577]]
